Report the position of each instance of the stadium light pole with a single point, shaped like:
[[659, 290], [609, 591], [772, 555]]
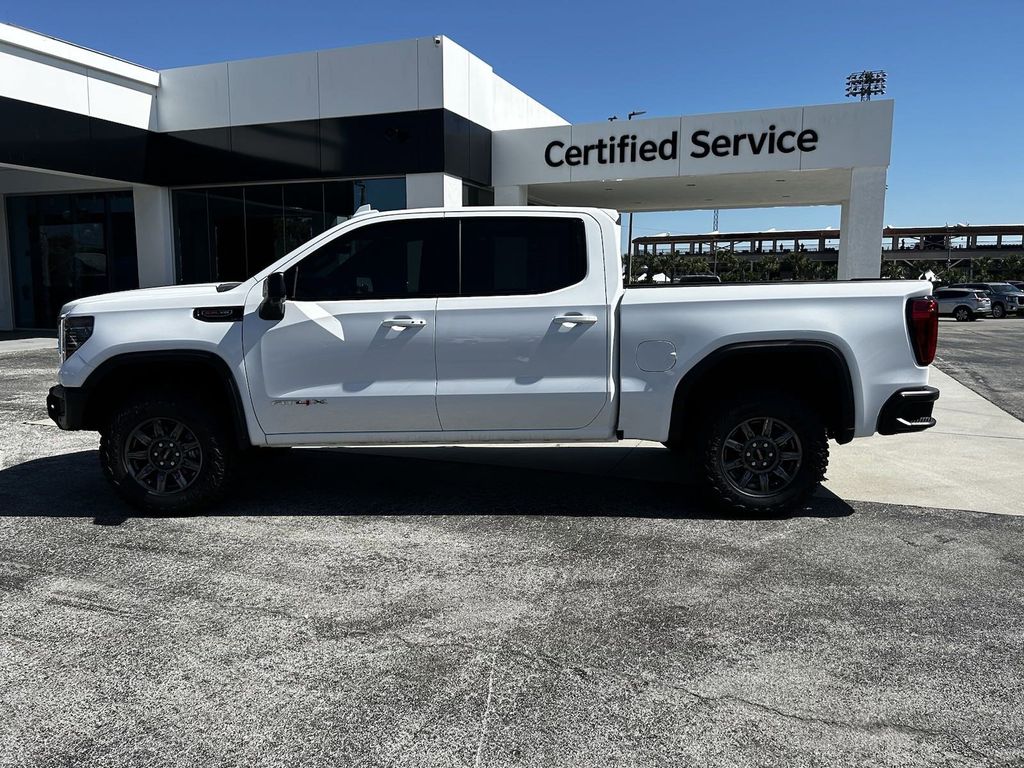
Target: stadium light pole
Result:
[[629, 236], [866, 84]]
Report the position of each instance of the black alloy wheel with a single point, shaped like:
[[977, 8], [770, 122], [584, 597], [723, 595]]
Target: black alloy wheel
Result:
[[761, 457], [163, 455]]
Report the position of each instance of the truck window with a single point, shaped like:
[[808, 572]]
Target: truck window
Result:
[[398, 259], [507, 255]]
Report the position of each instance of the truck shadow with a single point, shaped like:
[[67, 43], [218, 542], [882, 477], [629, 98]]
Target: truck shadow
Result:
[[406, 481]]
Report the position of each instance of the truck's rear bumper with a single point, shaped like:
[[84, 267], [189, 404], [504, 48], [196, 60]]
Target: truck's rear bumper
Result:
[[908, 410], [66, 406]]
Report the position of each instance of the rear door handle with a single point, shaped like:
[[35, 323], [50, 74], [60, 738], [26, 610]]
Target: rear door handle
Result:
[[576, 319], [403, 322]]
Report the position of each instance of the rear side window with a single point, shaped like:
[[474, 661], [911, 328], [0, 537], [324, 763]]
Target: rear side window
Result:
[[510, 255], [398, 259]]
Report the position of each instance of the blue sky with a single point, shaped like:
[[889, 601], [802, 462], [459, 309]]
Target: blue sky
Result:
[[955, 71]]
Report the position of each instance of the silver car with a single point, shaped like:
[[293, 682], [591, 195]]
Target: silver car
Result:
[[963, 303]]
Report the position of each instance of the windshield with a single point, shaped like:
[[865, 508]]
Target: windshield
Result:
[[1002, 288]]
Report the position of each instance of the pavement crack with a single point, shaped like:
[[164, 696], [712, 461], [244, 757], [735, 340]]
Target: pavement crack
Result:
[[487, 707], [711, 700], [867, 727]]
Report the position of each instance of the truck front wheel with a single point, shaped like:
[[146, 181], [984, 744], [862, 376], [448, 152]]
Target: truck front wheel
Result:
[[764, 454], [166, 455]]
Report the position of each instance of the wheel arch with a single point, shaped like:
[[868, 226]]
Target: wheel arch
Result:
[[185, 370], [829, 385]]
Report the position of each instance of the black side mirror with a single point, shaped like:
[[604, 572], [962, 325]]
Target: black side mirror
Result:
[[274, 294]]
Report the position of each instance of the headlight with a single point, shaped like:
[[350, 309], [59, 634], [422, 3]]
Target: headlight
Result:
[[75, 331]]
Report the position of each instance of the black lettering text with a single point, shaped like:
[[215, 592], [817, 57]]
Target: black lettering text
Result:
[[782, 147], [697, 139], [572, 155], [669, 147], [807, 140], [720, 146], [547, 153]]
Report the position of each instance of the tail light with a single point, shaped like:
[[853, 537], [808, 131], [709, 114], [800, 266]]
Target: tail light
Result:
[[923, 324]]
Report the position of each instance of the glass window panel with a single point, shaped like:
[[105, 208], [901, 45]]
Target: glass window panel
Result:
[[382, 194], [227, 233], [303, 213], [521, 255], [123, 262], [400, 259], [66, 246], [338, 197], [192, 236], [264, 226]]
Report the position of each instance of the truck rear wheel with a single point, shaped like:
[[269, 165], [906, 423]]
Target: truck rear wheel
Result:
[[167, 455], [764, 453]]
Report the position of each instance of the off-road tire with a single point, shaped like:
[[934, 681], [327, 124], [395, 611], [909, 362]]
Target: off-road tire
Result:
[[800, 418], [218, 454]]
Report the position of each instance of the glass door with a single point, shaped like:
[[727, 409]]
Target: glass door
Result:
[[67, 246]]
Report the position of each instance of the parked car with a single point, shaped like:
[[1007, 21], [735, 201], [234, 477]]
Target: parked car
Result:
[[492, 325], [963, 303], [1006, 298]]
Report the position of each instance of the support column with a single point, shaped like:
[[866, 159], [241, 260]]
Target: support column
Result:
[[861, 221], [510, 195], [433, 190], [154, 236], [6, 289]]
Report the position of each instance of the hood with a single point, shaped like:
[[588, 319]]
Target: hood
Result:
[[164, 297]]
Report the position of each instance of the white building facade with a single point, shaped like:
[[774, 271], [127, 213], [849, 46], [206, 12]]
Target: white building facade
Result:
[[114, 176]]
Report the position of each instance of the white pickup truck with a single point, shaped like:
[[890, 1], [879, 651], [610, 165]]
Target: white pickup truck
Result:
[[477, 325]]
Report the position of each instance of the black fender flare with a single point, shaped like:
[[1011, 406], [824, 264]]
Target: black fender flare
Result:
[[109, 368], [843, 431]]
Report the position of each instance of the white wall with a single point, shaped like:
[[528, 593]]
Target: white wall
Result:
[[369, 79], [154, 237], [40, 70], [433, 190]]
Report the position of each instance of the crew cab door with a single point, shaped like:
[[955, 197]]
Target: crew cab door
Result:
[[525, 345], [355, 349]]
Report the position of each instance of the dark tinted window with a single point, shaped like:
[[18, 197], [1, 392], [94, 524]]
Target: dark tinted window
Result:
[[516, 255], [399, 259]]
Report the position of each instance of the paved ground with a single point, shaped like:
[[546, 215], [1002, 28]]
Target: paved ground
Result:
[[987, 356], [356, 609]]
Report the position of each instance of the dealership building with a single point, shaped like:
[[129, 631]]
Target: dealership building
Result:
[[114, 176]]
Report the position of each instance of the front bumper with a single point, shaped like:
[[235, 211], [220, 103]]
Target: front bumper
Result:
[[908, 410], [66, 406]]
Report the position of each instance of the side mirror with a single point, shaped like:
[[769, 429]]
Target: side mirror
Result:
[[274, 294]]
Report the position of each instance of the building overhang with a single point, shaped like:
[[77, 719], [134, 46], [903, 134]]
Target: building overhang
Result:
[[777, 157]]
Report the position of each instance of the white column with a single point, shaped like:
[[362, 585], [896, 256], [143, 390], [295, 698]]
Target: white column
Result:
[[861, 222], [516, 195], [6, 289], [433, 190], [154, 237]]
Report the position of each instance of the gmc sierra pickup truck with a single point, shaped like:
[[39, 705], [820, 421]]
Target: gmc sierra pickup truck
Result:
[[489, 325]]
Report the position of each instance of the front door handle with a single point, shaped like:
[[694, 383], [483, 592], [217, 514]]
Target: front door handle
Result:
[[576, 319], [398, 323]]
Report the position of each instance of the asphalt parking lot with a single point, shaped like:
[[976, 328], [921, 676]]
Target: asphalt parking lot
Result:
[[355, 609], [988, 356]]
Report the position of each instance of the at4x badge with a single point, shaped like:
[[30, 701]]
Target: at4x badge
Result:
[[307, 403]]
